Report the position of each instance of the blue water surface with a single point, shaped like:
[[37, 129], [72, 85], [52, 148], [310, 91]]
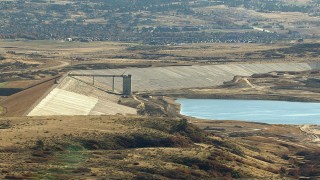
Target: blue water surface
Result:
[[272, 112]]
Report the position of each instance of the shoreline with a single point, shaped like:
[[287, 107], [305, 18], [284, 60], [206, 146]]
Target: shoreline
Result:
[[243, 96]]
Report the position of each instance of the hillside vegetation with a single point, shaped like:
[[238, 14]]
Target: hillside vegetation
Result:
[[136, 147]]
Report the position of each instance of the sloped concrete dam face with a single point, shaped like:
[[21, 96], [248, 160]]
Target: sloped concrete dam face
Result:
[[75, 97], [180, 77]]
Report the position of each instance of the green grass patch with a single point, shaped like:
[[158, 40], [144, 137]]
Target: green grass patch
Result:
[[2, 110], [3, 84], [73, 156]]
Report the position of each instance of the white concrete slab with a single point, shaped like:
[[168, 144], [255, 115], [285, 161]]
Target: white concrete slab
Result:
[[73, 97], [61, 102]]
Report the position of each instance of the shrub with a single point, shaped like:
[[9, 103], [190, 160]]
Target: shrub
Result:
[[135, 140], [294, 172], [303, 153], [188, 130], [5, 124], [91, 144], [285, 157], [230, 146], [210, 165], [39, 145], [2, 57], [16, 177], [261, 158], [82, 170], [272, 170], [283, 171]]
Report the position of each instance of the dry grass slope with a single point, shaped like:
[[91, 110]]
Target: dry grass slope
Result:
[[133, 147]]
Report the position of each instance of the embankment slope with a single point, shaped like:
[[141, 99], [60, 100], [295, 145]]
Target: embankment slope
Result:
[[182, 77]]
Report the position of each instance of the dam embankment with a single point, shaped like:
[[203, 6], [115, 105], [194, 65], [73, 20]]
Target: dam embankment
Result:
[[182, 77], [75, 96]]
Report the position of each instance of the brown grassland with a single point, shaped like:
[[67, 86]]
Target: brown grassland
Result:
[[136, 147]]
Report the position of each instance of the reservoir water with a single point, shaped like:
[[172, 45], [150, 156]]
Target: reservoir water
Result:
[[272, 112]]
